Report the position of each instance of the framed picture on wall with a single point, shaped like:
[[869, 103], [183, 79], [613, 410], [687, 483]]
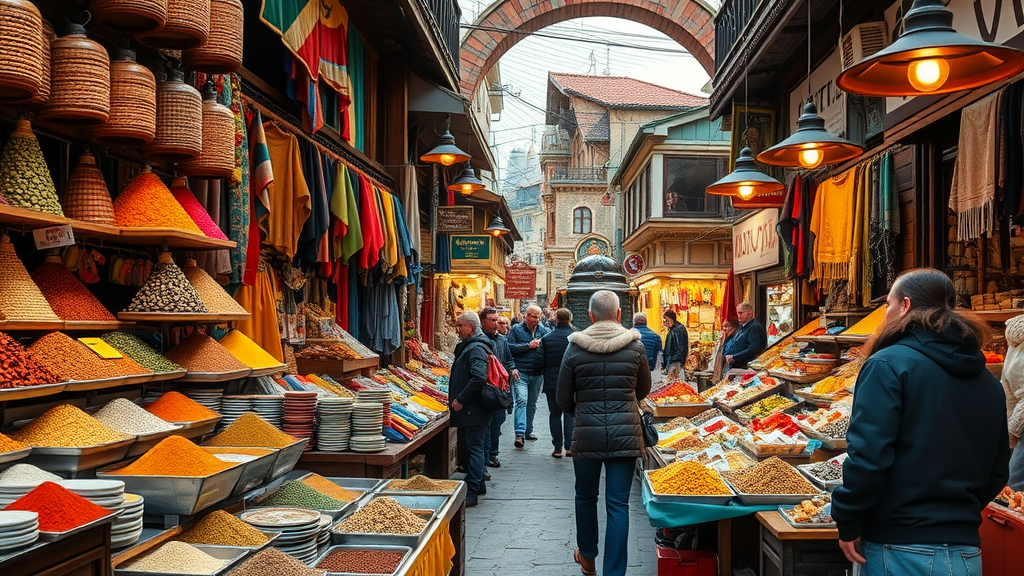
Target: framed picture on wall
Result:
[[751, 127]]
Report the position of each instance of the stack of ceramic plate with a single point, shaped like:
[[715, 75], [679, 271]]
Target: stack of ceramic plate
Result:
[[299, 529], [366, 418], [17, 530], [232, 408], [334, 419], [300, 415], [209, 398], [9, 494], [127, 527], [323, 541], [270, 408], [382, 395], [106, 493], [367, 443]]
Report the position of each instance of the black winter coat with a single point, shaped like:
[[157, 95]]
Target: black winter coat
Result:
[[604, 373], [468, 377], [549, 355]]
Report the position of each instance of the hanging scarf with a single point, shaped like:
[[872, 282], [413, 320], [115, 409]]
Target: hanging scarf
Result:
[[973, 193], [832, 225], [238, 186], [259, 211]]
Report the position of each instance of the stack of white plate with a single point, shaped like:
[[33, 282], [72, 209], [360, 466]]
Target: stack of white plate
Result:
[[9, 494], [232, 408], [367, 443], [270, 409], [323, 541], [17, 529], [105, 493], [299, 529], [366, 418], [369, 395], [334, 424], [209, 398], [127, 527]]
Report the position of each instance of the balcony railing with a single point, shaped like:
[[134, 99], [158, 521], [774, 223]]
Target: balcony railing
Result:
[[586, 174], [733, 17], [445, 16]]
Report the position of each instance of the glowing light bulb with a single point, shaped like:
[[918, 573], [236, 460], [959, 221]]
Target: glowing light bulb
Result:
[[448, 159], [496, 233], [467, 189], [810, 158], [928, 75], [746, 192]]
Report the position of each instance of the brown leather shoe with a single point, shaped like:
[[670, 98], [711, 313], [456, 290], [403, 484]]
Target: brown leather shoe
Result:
[[557, 453], [587, 565]]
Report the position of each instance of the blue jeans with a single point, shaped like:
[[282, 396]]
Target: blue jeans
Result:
[[476, 450], [536, 383], [920, 560], [618, 480], [521, 400], [561, 424], [494, 431]]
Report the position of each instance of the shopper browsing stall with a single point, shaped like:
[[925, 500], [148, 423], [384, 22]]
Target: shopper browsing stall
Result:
[[677, 346], [749, 340], [468, 377], [489, 324]]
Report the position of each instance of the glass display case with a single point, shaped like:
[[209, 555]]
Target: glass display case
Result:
[[780, 307]]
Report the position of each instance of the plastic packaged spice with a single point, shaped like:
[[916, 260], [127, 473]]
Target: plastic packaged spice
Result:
[[299, 495], [176, 558], [200, 353], [248, 352], [146, 202], [139, 351], [216, 300], [273, 562], [362, 561], [687, 477], [8, 444], [66, 294], [772, 476], [59, 509], [218, 528], [66, 426], [325, 486], [20, 298], [251, 431], [382, 516], [175, 456], [125, 416], [195, 210], [167, 291], [25, 179], [19, 368], [72, 360], [176, 407]]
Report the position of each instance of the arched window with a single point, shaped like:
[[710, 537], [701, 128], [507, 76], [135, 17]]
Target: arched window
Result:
[[581, 220]]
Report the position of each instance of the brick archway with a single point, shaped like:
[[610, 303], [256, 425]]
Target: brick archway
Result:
[[691, 23]]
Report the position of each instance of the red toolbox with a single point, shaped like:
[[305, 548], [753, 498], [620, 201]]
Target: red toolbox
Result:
[[1002, 532], [672, 562]]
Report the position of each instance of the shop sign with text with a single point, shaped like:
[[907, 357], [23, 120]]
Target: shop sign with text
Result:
[[755, 242], [471, 247], [520, 282], [454, 219]]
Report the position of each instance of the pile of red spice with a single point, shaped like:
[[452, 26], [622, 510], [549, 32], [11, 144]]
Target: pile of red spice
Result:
[[59, 509], [195, 210], [19, 368]]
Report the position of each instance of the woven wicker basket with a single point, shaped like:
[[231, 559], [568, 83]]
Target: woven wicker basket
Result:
[[132, 104], [87, 197], [80, 81], [218, 157], [20, 298], [222, 52], [24, 175], [22, 51], [44, 90], [179, 121], [132, 16], [187, 26]]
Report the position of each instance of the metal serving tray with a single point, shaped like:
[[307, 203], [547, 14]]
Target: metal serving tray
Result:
[[14, 455], [287, 458], [768, 499], [53, 536], [271, 537], [257, 502], [197, 428], [254, 472], [405, 550], [182, 495], [146, 441], [827, 485], [805, 525], [410, 502], [833, 443], [386, 489], [231, 554], [679, 498], [54, 459]]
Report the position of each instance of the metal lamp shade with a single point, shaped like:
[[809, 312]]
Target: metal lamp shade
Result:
[[931, 58], [810, 145], [446, 152], [467, 182], [497, 227], [745, 181]]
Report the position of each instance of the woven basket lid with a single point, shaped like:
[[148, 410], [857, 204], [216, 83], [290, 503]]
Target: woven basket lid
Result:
[[187, 26], [132, 119], [24, 176], [218, 140], [87, 197]]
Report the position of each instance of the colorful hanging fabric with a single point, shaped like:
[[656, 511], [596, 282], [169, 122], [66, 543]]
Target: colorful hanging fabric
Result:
[[289, 194], [316, 32], [262, 173], [387, 211], [406, 259], [323, 252], [319, 221], [239, 202], [260, 300], [885, 226], [369, 219], [793, 226], [353, 128], [832, 225], [347, 232], [209, 194], [973, 194], [410, 199], [855, 269]]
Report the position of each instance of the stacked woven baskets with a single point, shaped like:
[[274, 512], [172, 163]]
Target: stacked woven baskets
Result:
[[217, 159], [80, 80], [87, 197], [187, 26], [222, 52], [132, 16], [132, 104], [179, 121], [23, 53]]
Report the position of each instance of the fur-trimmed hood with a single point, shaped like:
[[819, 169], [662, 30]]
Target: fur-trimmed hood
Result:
[[604, 337]]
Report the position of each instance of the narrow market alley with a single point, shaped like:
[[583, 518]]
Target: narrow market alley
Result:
[[525, 524]]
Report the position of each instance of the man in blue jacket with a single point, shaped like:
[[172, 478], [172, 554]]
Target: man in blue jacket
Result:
[[749, 340], [649, 338], [524, 339]]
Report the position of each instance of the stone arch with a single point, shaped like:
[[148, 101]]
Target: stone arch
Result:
[[691, 23]]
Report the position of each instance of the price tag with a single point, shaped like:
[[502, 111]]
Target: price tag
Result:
[[101, 348], [53, 237]]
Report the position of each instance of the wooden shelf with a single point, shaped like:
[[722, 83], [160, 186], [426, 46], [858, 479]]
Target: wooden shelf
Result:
[[169, 318], [31, 325], [72, 326], [998, 316], [174, 238], [21, 218]]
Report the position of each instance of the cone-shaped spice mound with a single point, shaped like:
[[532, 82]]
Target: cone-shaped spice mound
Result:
[[59, 509], [195, 210], [251, 431], [176, 407], [20, 298], [248, 352], [73, 360], [66, 294], [146, 202], [216, 299], [87, 197], [25, 179], [175, 456], [200, 353], [167, 291], [66, 426], [19, 368]]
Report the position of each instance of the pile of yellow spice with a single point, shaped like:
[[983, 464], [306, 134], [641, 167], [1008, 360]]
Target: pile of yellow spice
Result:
[[688, 478]]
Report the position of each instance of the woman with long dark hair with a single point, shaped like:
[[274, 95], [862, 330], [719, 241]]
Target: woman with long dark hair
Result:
[[928, 446]]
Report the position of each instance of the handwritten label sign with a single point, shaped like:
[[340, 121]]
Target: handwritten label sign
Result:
[[471, 247], [520, 282], [755, 242], [454, 219], [53, 237]]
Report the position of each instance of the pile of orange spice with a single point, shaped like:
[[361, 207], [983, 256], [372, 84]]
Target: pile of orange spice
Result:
[[8, 444], [328, 488], [147, 202], [175, 456], [176, 407]]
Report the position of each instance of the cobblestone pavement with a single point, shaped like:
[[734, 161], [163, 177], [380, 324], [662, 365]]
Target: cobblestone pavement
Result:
[[525, 524]]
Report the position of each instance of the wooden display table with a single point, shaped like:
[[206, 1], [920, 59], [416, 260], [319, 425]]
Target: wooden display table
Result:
[[436, 440], [84, 554], [789, 551]]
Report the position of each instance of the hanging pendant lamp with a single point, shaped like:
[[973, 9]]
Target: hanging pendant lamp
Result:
[[446, 152], [467, 182], [931, 58], [745, 181], [497, 227]]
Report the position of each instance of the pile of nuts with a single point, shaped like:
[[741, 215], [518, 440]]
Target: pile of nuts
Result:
[[361, 561], [420, 483], [829, 471], [382, 516], [137, 350], [773, 476], [334, 351], [689, 478], [836, 429], [167, 291]]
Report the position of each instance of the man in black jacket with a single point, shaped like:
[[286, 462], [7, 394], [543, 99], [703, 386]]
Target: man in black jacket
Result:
[[489, 325], [549, 360], [677, 346], [468, 377], [749, 340], [604, 374]]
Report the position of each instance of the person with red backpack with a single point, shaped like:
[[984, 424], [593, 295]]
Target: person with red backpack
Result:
[[465, 394], [489, 324]]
